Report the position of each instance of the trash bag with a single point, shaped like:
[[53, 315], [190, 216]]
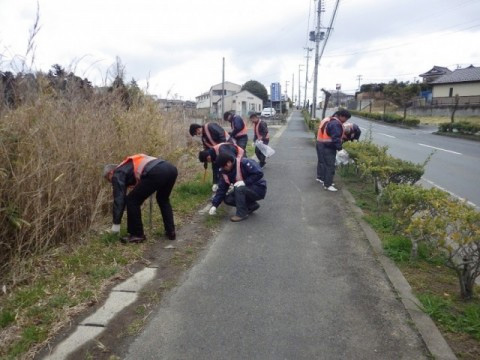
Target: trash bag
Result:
[[343, 158], [264, 148]]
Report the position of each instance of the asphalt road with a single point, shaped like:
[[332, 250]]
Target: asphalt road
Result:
[[297, 280], [454, 167]]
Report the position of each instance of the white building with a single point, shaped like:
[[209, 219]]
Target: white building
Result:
[[211, 97], [242, 103]]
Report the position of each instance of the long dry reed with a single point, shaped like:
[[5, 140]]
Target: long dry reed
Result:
[[52, 153]]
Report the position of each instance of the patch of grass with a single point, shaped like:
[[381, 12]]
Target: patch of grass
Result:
[[384, 223], [397, 247], [6, 318], [29, 336], [186, 197]]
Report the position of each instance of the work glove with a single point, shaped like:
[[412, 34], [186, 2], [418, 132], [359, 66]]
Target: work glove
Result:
[[239, 183], [230, 189], [115, 229], [214, 187], [213, 210]]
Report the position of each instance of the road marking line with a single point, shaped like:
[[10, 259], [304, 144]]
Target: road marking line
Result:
[[390, 136], [362, 128], [437, 148], [451, 193]]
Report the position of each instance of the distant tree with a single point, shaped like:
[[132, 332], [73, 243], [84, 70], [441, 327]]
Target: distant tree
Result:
[[401, 94], [455, 107], [257, 89]]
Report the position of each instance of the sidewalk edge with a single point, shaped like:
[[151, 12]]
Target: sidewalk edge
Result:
[[427, 329]]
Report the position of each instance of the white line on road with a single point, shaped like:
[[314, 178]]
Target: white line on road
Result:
[[362, 128], [451, 193], [437, 148], [390, 136]]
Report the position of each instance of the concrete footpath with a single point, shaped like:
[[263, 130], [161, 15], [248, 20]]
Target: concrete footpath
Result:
[[302, 278]]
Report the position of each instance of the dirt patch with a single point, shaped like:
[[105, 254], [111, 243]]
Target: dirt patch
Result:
[[192, 239]]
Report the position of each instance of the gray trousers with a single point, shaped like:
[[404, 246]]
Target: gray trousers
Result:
[[326, 163]]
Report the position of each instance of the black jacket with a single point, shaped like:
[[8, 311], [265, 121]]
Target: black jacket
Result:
[[217, 133]]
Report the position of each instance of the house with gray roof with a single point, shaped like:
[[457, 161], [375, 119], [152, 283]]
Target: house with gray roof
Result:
[[434, 73], [462, 82]]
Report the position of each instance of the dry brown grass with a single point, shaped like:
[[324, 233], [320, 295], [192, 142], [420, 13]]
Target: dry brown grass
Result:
[[53, 152]]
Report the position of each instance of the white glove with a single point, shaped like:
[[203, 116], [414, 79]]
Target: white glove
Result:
[[213, 210], [230, 189], [214, 187], [115, 229], [239, 183]]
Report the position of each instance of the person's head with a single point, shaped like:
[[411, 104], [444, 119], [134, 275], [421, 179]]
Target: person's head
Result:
[[227, 116], [254, 118], [205, 156], [108, 171], [225, 161], [195, 129], [342, 115]]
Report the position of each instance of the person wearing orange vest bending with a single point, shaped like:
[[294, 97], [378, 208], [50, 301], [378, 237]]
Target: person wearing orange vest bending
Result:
[[144, 175], [249, 186], [260, 132], [329, 140], [239, 129], [212, 134], [210, 155]]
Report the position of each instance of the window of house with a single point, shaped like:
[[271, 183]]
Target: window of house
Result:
[[450, 93]]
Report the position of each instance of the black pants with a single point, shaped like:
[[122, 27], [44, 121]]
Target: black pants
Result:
[[242, 142], [160, 179], [326, 163], [243, 198], [215, 173], [261, 158]]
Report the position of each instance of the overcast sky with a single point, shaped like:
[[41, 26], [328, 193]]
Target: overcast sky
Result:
[[175, 48]]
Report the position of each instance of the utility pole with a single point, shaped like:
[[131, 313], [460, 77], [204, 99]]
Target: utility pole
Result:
[[293, 88], [223, 88], [318, 38], [286, 96], [306, 75], [299, 88], [359, 78]]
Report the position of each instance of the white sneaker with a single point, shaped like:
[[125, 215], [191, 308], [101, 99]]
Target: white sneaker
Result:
[[320, 181], [214, 187], [331, 188]]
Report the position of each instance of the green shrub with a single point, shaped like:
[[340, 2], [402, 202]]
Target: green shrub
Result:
[[462, 127]]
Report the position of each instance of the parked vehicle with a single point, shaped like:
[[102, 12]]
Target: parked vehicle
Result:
[[268, 112]]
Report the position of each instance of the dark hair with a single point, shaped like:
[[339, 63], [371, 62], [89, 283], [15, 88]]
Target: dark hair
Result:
[[344, 113], [203, 156], [253, 115], [226, 115], [223, 158], [193, 129]]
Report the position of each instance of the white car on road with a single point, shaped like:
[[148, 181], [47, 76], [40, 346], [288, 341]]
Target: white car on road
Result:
[[267, 112]]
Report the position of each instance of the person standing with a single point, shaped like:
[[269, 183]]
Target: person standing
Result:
[[239, 129], [329, 140], [260, 131], [145, 175], [212, 134], [249, 186]]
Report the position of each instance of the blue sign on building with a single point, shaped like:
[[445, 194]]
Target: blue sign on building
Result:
[[275, 91]]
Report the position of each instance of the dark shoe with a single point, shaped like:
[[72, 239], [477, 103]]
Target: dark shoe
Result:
[[133, 239], [236, 218], [253, 208], [171, 236]]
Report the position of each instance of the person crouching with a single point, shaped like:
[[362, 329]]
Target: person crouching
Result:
[[249, 186]]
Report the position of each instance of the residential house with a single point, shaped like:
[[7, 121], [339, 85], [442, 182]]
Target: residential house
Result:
[[242, 103], [434, 73], [462, 82], [209, 99]]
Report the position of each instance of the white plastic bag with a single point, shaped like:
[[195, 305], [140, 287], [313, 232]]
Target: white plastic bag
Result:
[[265, 149], [343, 158]]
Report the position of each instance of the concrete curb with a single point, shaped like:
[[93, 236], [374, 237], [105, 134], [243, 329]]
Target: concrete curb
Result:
[[429, 332]]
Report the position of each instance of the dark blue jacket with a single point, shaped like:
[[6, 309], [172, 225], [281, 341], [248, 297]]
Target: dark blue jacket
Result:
[[252, 177], [238, 125], [334, 129], [217, 132]]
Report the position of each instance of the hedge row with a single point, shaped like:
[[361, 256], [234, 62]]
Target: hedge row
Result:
[[462, 127], [372, 161], [388, 118]]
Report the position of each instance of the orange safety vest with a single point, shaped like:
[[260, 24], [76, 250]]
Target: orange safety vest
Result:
[[209, 136], [139, 162], [322, 135], [240, 151], [257, 133], [238, 175], [241, 132]]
